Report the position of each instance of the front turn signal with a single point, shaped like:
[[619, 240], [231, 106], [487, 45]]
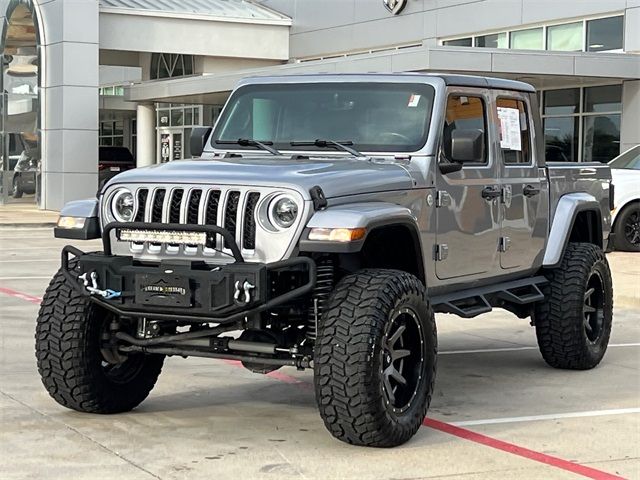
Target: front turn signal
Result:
[[341, 235], [71, 222]]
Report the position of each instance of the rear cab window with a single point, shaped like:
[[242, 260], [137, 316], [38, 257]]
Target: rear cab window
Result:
[[515, 131]]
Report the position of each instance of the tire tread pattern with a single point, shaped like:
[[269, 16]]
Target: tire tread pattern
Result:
[[69, 359], [558, 319], [347, 393]]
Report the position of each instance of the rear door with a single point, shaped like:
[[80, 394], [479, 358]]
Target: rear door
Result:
[[468, 225], [524, 202]]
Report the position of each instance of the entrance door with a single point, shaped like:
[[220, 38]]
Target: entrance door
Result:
[[170, 144], [468, 225], [524, 197]]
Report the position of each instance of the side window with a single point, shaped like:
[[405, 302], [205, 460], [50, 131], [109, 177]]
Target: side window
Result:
[[464, 112], [515, 131]]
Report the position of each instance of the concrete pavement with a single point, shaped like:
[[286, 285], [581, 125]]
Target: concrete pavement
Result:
[[213, 419]]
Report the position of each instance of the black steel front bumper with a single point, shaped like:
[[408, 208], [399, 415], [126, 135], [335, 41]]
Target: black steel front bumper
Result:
[[187, 290]]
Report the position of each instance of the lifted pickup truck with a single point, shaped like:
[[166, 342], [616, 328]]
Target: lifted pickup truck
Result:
[[326, 221]]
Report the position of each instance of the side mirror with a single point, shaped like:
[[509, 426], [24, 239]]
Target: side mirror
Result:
[[198, 139], [467, 146]]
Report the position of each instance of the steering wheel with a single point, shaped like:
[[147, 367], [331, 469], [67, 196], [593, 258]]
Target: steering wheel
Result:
[[397, 135]]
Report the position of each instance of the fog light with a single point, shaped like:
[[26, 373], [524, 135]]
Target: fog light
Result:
[[337, 234], [71, 222]]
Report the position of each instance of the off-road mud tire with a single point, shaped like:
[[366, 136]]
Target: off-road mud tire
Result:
[[562, 336], [349, 357], [70, 362]]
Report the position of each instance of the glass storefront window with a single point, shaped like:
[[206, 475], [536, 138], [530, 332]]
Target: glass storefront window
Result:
[[460, 42], [561, 139], [530, 39], [566, 37], [603, 99], [562, 102], [589, 131], [601, 138], [177, 117], [20, 156], [496, 40], [605, 34]]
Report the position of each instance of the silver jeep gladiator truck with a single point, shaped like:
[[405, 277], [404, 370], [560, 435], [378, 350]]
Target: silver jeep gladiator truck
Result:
[[327, 218]]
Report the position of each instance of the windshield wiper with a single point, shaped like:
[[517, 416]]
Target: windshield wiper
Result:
[[329, 144], [247, 142]]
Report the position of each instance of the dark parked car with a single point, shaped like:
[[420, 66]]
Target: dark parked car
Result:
[[112, 161]]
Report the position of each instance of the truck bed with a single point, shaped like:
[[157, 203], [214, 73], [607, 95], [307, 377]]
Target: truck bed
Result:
[[592, 178]]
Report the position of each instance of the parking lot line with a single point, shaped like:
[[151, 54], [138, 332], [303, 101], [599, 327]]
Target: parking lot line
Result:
[[517, 349], [26, 278], [22, 296], [33, 260], [519, 451], [552, 416]]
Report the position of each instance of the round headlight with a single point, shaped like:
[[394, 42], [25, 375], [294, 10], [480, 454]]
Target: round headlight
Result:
[[122, 206], [284, 211]]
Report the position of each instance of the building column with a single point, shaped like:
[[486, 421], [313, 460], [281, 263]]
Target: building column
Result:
[[629, 131], [146, 134], [69, 100]]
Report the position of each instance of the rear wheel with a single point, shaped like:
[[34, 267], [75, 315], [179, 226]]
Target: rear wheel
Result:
[[375, 358], [573, 323], [76, 367], [627, 228]]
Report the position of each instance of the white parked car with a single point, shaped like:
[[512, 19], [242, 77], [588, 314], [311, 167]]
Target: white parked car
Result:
[[625, 172]]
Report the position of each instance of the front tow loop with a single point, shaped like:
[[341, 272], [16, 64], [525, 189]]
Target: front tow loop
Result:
[[91, 284]]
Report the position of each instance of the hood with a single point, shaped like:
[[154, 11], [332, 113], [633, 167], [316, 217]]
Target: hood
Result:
[[337, 176]]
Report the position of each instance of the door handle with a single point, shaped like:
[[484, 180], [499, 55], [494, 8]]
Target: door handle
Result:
[[491, 193], [530, 191]]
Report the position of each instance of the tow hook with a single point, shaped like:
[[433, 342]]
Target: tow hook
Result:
[[242, 295], [91, 284]]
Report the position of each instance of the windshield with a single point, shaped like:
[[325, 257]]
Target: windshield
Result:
[[376, 117], [628, 160]]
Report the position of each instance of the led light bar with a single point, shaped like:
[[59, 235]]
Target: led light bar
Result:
[[163, 236]]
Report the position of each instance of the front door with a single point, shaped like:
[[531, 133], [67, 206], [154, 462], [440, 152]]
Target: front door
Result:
[[524, 186], [170, 144], [468, 226]]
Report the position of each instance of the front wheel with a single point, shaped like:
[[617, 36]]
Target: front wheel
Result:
[[375, 358], [573, 323], [76, 368]]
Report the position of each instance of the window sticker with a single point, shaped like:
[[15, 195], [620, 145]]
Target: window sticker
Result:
[[510, 138], [414, 100]]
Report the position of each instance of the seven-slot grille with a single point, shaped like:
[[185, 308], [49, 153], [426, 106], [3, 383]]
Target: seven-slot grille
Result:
[[233, 209]]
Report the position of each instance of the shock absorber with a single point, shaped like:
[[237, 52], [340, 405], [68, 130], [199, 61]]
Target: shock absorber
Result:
[[325, 278]]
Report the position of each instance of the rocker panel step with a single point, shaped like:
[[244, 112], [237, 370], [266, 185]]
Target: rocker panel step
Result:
[[472, 302]]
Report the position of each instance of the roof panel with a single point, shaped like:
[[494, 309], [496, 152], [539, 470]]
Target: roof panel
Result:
[[233, 9]]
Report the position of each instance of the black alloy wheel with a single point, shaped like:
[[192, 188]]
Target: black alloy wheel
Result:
[[402, 359], [632, 228]]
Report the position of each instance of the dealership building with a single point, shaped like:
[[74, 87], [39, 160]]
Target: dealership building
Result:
[[78, 74]]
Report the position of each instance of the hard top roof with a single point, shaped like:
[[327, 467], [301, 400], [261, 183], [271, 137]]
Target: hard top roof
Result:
[[449, 79]]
